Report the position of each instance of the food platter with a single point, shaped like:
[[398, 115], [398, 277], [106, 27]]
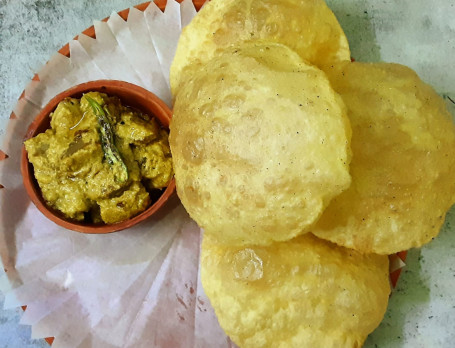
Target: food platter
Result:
[[91, 32]]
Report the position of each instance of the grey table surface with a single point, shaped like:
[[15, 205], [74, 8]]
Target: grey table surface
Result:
[[418, 33]]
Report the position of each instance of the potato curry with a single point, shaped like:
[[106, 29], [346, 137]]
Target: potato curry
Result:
[[100, 161]]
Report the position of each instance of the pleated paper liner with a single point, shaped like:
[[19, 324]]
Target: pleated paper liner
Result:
[[104, 290]]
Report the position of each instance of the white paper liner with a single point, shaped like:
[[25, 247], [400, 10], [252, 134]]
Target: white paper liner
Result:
[[164, 29], [135, 288]]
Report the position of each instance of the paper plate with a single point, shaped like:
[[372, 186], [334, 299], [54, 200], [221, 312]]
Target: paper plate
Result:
[[135, 288]]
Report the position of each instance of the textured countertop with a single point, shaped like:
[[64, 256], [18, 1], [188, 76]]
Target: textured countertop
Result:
[[418, 33]]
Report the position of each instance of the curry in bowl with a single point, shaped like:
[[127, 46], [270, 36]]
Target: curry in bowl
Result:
[[101, 161]]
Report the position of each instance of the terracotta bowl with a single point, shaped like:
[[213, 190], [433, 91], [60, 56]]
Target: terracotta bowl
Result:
[[130, 95]]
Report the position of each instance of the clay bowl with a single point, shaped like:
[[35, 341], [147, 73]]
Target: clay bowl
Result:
[[130, 95]]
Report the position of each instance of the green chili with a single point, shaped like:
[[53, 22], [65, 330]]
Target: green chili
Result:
[[111, 153]]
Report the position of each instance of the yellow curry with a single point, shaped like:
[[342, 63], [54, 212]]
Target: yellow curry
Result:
[[100, 161]]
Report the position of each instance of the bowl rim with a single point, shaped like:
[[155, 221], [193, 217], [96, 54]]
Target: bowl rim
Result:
[[158, 109]]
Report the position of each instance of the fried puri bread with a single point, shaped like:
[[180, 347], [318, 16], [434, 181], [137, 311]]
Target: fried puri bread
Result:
[[306, 292], [403, 164], [260, 144], [308, 27]]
